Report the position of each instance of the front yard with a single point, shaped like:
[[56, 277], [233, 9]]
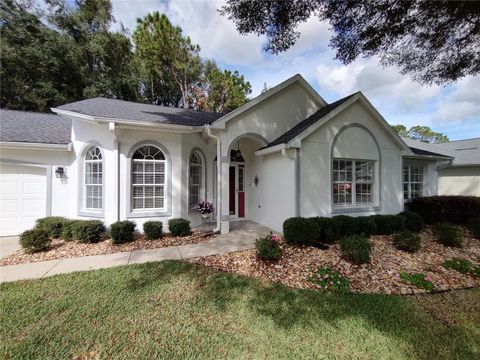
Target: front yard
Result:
[[180, 310]]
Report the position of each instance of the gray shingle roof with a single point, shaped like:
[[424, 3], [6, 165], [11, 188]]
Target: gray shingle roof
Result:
[[33, 127], [421, 148], [127, 110], [305, 124], [466, 152]]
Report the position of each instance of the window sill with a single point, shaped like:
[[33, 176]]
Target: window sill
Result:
[[356, 209], [91, 213], [147, 213]]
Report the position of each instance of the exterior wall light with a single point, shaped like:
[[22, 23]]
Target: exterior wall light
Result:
[[59, 171]]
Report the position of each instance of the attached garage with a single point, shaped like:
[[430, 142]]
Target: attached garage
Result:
[[23, 197]]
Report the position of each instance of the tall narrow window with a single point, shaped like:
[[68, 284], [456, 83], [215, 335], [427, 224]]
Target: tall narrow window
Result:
[[195, 179], [352, 182], [412, 182], [148, 178], [93, 179]]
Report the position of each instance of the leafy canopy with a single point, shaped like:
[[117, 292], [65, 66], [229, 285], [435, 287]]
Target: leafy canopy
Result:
[[420, 133], [433, 41]]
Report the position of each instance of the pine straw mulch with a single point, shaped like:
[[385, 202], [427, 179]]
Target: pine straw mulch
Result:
[[61, 249], [380, 276]]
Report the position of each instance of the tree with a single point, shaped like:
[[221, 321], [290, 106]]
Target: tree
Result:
[[421, 133], [169, 63], [433, 41]]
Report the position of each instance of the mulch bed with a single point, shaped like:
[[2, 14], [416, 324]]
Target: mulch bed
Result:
[[60, 249], [380, 276]]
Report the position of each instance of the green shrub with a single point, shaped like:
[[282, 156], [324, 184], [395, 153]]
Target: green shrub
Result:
[[348, 225], [153, 230], [179, 227], [329, 279], [356, 248], [268, 248], [388, 224], [366, 225], [407, 241], [87, 231], [447, 235], [68, 230], [34, 240], [301, 231], [53, 225], [418, 280], [452, 209], [461, 265], [122, 232], [474, 226], [412, 221], [329, 230]]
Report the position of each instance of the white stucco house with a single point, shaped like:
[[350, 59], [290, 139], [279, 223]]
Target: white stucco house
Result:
[[285, 153]]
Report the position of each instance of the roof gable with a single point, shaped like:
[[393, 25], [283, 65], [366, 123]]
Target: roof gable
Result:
[[296, 79]]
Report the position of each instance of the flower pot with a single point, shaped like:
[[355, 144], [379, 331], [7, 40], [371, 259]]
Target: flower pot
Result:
[[204, 216]]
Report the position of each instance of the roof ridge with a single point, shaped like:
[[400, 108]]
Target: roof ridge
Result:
[[31, 112]]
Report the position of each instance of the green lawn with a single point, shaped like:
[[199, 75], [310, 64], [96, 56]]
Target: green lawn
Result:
[[177, 310]]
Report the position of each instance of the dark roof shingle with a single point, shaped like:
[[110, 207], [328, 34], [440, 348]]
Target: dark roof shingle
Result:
[[128, 110], [305, 124], [33, 127]]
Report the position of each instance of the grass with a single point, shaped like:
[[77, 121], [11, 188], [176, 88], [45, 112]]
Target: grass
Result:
[[178, 310]]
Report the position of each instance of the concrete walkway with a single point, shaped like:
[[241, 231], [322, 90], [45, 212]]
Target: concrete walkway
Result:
[[242, 237]]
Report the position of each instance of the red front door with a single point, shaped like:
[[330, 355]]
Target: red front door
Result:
[[236, 188]]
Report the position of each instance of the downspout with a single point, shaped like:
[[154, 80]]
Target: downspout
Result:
[[219, 176], [296, 166], [113, 131]]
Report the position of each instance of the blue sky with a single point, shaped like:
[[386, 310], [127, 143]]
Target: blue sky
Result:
[[453, 110]]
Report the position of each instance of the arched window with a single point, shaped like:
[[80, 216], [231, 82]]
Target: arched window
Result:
[[195, 182], [148, 178], [93, 194]]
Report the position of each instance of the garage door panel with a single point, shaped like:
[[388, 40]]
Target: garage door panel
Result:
[[23, 192]]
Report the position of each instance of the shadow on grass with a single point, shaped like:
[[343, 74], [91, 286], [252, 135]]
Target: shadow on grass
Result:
[[394, 316]]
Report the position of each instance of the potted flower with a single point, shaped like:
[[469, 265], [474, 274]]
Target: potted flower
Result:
[[205, 208]]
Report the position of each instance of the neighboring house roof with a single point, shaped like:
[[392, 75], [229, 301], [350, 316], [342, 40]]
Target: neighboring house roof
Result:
[[465, 152], [33, 127], [305, 124], [422, 148], [128, 110]]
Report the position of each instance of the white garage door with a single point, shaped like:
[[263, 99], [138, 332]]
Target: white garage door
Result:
[[23, 197]]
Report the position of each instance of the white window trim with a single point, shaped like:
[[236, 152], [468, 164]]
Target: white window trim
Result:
[[202, 195], [354, 206], [410, 182], [166, 211], [82, 209]]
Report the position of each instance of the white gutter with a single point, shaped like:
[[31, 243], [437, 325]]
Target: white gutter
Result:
[[219, 177], [272, 149], [35, 146], [113, 131]]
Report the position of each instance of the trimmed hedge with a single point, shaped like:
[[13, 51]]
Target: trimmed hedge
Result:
[[68, 230], [153, 230], [447, 235], [388, 224], [366, 225], [329, 230], [122, 231], [453, 209], [413, 221], [179, 227], [302, 231], [407, 240], [87, 231], [474, 226], [53, 225], [348, 225], [34, 240], [356, 248]]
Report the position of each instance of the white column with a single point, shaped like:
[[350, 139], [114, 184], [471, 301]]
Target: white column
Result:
[[225, 210]]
